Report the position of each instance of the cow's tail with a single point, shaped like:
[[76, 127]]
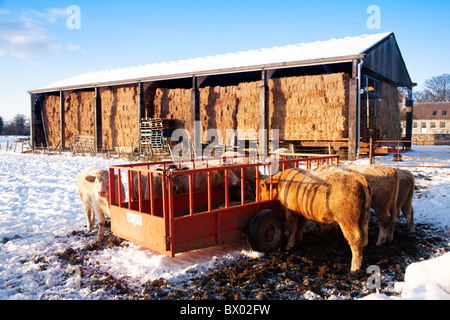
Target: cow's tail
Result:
[[364, 218]]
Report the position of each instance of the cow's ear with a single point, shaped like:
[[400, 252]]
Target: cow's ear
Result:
[[90, 178]]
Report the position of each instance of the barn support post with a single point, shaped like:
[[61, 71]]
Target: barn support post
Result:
[[32, 121], [196, 125], [97, 121], [409, 103], [264, 123], [62, 118], [195, 118], [353, 111], [140, 111]]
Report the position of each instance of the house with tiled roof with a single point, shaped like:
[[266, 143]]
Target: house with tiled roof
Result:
[[431, 121]]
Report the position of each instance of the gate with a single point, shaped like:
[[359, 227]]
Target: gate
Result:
[[423, 154]]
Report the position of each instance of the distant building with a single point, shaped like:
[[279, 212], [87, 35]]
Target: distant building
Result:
[[431, 121]]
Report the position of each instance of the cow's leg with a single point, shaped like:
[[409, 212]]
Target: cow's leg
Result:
[[383, 218], [408, 212], [393, 214], [391, 227], [101, 223], [88, 212], [301, 222], [354, 238], [292, 220]]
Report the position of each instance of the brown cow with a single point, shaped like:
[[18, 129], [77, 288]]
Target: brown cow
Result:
[[157, 183], [217, 180], [383, 181], [93, 189], [327, 198], [405, 196]]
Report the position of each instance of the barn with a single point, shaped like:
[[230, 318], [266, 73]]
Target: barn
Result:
[[339, 92]]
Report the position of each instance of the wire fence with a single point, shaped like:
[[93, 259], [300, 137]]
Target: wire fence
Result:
[[411, 153]]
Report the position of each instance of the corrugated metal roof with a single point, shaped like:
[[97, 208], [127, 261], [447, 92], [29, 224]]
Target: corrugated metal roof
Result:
[[315, 53]]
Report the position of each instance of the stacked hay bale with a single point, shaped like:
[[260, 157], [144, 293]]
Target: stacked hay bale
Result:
[[172, 104], [218, 110], [310, 107], [247, 111], [79, 114], [389, 112], [52, 119], [108, 101], [119, 117], [301, 108]]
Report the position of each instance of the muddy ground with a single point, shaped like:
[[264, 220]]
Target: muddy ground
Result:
[[318, 269]]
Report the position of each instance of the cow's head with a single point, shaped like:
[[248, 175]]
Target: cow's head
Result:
[[218, 178], [101, 183], [264, 187]]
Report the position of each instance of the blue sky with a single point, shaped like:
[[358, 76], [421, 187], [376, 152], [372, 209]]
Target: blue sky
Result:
[[37, 47]]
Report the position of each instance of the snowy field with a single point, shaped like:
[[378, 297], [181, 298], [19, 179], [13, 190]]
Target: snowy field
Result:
[[41, 216]]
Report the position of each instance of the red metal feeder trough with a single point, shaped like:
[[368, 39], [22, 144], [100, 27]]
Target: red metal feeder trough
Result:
[[165, 216]]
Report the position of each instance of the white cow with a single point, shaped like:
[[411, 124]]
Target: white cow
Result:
[[93, 188]]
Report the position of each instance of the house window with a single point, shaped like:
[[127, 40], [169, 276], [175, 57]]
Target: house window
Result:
[[432, 125], [423, 127], [442, 125], [414, 125], [434, 113], [444, 112]]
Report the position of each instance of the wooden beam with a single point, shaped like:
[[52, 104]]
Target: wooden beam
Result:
[[352, 113], [196, 128], [409, 104], [62, 118], [264, 123], [32, 121], [140, 106], [97, 120], [195, 118]]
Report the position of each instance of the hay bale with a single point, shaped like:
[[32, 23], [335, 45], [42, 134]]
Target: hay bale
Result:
[[79, 114], [52, 119], [304, 107], [309, 107], [172, 104], [389, 112], [119, 117]]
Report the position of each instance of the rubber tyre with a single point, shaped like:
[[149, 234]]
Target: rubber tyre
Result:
[[266, 232]]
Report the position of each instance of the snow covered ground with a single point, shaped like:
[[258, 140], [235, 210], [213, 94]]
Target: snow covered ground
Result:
[[41, 216]]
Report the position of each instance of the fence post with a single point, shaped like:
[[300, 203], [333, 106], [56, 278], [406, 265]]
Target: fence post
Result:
[[423, 164]]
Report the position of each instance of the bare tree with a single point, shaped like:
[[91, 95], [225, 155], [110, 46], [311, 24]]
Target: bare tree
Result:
[[437, 89], [20, 125]]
